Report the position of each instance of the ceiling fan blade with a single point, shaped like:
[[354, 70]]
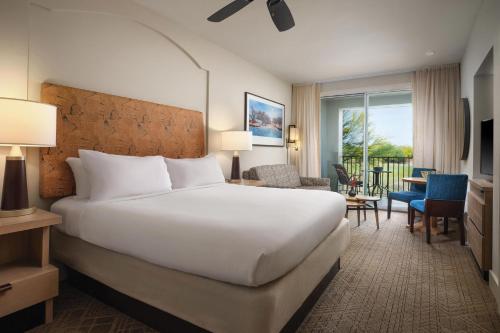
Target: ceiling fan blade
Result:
[[281, 15], [229, 10]]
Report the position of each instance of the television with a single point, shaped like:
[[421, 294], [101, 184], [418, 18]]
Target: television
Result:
[[487, 147]]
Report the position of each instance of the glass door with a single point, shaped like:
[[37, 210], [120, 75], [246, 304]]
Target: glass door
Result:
[[370, 136], [343, 138], [390, 141]]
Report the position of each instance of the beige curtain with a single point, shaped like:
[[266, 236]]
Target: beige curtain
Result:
[[437, 118], [306, 114]]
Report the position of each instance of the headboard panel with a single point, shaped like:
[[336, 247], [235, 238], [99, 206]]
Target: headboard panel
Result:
[[116, 125]]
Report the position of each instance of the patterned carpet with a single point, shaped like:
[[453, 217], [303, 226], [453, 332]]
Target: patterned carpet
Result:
[[390, 281]]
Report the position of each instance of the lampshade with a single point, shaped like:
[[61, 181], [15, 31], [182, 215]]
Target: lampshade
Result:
[[26, 123], [236, 140], [293, 134]]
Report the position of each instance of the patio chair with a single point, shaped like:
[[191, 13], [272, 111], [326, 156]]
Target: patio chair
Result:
[[344, 177], [445, 197], [416, 192]]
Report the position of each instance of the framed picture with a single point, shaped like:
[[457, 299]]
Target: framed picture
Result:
[[266, 120]]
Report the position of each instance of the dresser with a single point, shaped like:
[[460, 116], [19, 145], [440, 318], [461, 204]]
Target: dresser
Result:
[[479, 223]]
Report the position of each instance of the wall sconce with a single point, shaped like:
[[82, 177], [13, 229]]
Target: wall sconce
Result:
[[292, 137]]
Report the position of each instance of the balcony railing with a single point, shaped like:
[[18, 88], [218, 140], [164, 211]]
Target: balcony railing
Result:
[[390, 179]]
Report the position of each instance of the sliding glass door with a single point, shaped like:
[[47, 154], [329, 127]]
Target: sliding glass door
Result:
[[342, 137], [370, 136]]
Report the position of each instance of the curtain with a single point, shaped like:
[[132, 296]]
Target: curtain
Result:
[[437, 118], [306, 113]]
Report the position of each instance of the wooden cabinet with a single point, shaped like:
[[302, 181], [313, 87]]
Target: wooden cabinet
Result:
[[479, 222], [26, 277]]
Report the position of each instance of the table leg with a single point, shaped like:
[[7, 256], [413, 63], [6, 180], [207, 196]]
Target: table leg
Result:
[[364, 213], [359, 217], [376, 213]]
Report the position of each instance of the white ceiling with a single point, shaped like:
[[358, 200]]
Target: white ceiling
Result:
[[334, 39]]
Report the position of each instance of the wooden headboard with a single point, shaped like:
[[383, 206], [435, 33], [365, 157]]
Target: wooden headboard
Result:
[[116, 125]]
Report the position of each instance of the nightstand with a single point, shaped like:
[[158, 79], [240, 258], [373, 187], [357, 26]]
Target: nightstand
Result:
[[26, 277], [247, 182]]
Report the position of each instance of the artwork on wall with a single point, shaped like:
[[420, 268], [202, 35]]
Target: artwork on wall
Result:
[[265, 119]]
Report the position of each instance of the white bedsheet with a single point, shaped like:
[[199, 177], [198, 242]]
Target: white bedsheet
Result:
[[238, 234]]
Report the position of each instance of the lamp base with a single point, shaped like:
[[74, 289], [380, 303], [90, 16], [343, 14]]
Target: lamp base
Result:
[[235, 169], [17, 212], [15, 187]]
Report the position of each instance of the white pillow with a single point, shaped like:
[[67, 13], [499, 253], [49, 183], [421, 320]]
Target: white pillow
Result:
[[81, 178], [189, 172], [117, 176]]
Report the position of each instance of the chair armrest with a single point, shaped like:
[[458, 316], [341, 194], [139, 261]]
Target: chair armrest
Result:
[[313, 181]]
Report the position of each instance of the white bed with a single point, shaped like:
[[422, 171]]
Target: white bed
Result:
[[226, 258], [243, 235]]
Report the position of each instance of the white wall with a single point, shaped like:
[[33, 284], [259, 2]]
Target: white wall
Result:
[[484, 36], [109, 46]]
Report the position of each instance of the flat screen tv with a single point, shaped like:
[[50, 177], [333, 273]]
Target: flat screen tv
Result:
[[487, 147]]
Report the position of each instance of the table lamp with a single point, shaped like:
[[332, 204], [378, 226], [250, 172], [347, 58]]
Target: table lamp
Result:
[[236, 141], [22, 124]]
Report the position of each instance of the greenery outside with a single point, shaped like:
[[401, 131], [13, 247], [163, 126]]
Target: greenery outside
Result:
[[381, 152]]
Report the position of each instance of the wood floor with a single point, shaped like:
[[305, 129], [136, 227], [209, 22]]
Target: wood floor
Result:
[[390, 281]]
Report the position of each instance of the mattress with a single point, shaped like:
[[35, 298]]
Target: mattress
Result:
[[243, 235]]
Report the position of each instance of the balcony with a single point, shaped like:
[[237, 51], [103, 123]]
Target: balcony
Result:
[[390, 179]]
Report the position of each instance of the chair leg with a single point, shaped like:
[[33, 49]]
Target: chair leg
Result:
[[389, 208], [412, 219], [445, 225], [359, 216], [427, 222], [364, 213], [409, 213], [462, 230]]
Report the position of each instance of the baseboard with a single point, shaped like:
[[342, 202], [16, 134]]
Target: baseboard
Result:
[[495, 288]]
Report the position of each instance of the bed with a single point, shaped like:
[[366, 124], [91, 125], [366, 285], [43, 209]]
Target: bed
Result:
[[225, 258]]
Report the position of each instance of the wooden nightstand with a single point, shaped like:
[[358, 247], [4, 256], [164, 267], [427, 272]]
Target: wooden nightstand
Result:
[[26, 277], [247, 182]]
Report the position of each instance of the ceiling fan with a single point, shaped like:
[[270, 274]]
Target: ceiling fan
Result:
[[280, 13]]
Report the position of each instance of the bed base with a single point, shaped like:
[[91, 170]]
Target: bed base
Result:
[[163, 321]]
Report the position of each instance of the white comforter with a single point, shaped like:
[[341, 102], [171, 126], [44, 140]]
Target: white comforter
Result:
[[238, 234]]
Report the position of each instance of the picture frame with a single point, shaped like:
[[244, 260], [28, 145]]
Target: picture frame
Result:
[[265, 118]]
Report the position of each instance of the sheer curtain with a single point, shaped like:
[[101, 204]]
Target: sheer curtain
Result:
[[306, 114], [437, 118]]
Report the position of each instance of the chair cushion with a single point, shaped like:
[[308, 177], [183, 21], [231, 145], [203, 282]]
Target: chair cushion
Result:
[[447, 187], [406, 196], [418, 205], [279, 175]]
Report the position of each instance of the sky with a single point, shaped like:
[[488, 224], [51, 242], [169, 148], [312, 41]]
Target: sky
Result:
[[393, 122]]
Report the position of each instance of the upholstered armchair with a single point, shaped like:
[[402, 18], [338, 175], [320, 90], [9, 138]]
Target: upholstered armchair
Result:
[[445, 197], [286, 176], [416, 192]]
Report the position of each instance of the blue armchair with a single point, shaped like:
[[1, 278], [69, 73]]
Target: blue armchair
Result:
[[445, 197], [417, 192]]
